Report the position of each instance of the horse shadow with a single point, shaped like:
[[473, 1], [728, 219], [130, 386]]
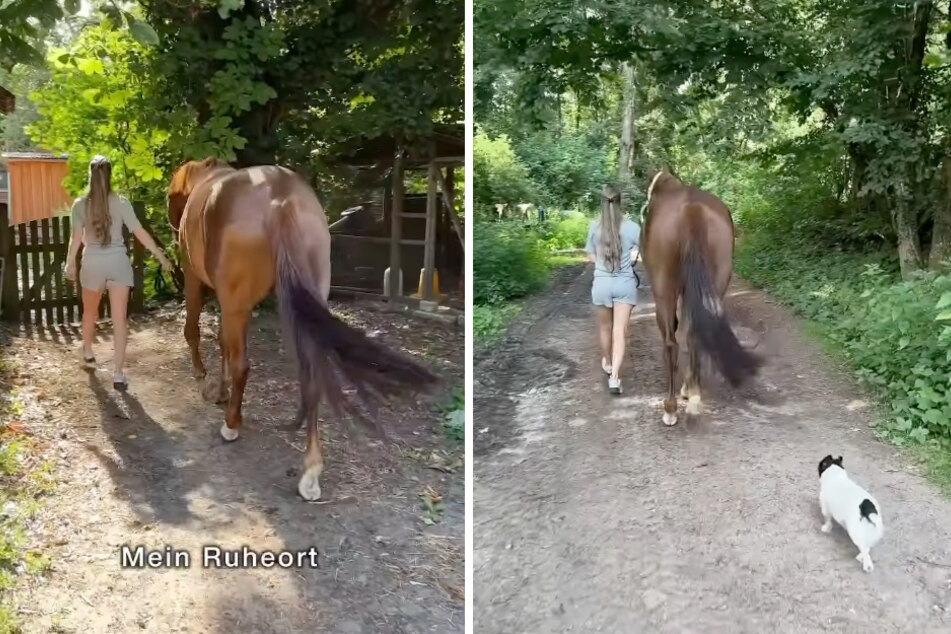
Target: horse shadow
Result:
[[146, 468]]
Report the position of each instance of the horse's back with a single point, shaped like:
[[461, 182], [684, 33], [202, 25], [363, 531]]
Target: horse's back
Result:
[[683, 218], [241, 213]]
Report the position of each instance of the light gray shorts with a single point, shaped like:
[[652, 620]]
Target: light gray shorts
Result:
[[101, 269], [607, 290]]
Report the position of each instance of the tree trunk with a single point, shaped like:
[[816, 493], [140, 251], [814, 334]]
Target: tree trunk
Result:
[[626, 149], [941, 233], [906, 229]]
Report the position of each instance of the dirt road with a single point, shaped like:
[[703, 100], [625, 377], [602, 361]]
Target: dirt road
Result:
[[592, 516], [149, 468]]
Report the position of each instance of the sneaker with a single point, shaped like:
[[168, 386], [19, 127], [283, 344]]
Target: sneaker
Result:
[[605, 366], [614, 385], [88, 362], [119, 383]]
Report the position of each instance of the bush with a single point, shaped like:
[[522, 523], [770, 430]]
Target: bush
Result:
[[498, 175], [565, 233], [489, 321], [512, 262], [895, 334]]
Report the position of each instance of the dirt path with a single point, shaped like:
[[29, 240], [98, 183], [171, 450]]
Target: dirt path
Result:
[[150, 469], [590, 515]]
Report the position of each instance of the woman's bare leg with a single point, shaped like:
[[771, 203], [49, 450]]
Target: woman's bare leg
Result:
[[622, 316], [119, 302], [605, 317], [91, 299]]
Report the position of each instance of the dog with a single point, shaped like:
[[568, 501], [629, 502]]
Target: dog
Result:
[[851, 506]]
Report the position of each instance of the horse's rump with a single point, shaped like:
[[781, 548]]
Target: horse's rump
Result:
[[689, 255]]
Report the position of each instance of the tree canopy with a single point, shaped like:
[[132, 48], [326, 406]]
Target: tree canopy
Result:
[[158, 82], [856, 90]]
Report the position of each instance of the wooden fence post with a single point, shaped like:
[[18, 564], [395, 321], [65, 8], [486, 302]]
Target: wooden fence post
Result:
[[9, 287]]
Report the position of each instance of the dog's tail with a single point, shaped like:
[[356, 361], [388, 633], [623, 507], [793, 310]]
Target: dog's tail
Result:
[[866, 510]]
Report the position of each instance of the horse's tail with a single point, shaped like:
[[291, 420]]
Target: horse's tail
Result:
[[708, 326], [330, 353]]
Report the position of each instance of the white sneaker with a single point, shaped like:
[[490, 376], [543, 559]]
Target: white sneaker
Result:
[[605, 366], [614, 385]]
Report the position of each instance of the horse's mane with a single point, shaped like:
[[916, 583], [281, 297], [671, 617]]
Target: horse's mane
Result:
[[662, 180], [183, 180]]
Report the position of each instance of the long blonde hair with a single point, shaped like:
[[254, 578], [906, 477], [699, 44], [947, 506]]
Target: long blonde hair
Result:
[[609, 228], [97, 200]]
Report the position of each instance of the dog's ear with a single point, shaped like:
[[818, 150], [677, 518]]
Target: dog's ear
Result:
[[838, 461]]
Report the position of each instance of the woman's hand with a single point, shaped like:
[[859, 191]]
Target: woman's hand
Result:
[[71, 271], [163, 261]]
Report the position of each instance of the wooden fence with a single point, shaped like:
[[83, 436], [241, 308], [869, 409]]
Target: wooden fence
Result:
[[34, 288]]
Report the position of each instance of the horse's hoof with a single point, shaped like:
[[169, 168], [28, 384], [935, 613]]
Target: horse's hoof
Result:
[[670, 419], [309, 485], [694, 406], [683, 391], [228, 433]]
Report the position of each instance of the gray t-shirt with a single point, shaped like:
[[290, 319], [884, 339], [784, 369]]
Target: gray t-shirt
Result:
[[630, 234], [120, 209]]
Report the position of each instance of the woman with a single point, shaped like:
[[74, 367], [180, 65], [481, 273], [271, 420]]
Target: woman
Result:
[[98, 217], [611, 244]]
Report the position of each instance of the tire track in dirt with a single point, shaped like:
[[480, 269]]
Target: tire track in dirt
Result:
[[590, 515]]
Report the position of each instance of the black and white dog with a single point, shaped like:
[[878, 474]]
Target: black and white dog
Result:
[[851, 506]]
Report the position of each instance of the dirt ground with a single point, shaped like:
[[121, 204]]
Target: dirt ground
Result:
[[149, 468], [591, 516]]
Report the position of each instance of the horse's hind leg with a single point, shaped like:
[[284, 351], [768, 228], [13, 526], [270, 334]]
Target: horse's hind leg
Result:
[[309, 485], [234, 333], [194, 300], [666, 320], [217, 392]]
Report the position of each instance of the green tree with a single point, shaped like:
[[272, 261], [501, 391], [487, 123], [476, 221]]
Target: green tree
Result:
[[98, 101], [499, 177]]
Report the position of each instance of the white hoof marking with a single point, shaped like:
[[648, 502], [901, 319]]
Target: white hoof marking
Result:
[[683, 391], [309, 485], [693, 405], [670, 419], [227, 433]]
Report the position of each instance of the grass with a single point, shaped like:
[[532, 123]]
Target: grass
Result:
[[490, 321], [453, 412], [23, 485], [513, 262]]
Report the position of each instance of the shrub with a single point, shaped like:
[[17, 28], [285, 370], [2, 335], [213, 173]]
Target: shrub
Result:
[[489, 321], [896, 335], [498, 175], [512, 262], [565, 233]]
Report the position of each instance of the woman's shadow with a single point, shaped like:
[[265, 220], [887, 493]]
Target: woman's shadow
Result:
[[147, 469]]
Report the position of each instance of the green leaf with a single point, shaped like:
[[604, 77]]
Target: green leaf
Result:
[[945, 300], [932, 60], [227, 6], [943, 315], [143, 33]]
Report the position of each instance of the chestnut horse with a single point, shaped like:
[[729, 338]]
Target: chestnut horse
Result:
[[243, 233], [688, 252]]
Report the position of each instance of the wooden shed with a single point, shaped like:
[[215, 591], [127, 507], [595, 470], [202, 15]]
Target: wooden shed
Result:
[[420, 233], [35, 186]]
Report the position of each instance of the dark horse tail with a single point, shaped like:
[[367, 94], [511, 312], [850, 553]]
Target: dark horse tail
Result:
[[331, 354], [707, 323]]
